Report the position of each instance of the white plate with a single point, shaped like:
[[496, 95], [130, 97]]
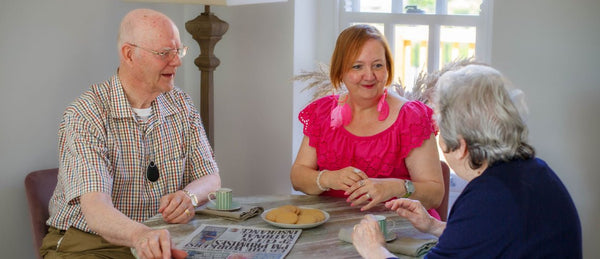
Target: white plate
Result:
[[283, 225], [234, 206]]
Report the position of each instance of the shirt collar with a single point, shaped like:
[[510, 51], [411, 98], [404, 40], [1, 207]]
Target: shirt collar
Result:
[[120, 107]]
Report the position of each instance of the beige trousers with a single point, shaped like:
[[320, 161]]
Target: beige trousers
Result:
[[74, 243]]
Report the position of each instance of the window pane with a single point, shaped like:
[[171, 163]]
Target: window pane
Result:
[[419, 6], [410, 52], [464, 7], [456, 42], [376, 6]]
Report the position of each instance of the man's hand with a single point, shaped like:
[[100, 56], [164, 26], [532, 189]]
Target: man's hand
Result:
[[156, 244], [176, 208]]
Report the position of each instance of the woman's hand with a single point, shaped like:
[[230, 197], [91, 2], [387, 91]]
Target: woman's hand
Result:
[[414, 212], [371, 191], [368, 239], [176, 208], [342, 179]]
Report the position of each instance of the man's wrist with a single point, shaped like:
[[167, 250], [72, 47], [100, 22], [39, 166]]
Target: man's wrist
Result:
[[193, 197]]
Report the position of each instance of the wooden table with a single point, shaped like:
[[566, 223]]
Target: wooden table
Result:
[[319, 242]]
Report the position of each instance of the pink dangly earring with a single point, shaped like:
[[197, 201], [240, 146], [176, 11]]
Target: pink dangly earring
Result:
[[341, 114], [383, 107]]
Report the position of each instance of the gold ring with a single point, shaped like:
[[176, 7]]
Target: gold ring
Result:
[[187, 212], [354, 228]]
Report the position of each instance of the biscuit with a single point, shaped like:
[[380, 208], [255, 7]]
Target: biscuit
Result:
[[291, 208], [290, 214], [286, 217], [314, 212], [272, 214], [307, 219]]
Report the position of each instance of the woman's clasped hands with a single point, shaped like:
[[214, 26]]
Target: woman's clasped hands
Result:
[[344, 178], [360, 188]]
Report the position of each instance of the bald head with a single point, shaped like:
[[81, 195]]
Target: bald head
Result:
[[145, 25]]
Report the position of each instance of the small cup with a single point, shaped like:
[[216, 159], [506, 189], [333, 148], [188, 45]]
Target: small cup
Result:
[[382, 220], [221, 198]]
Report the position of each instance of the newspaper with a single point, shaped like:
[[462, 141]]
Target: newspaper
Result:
[[233, 241]]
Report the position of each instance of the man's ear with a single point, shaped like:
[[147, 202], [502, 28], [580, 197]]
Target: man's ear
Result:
[[127, 52]]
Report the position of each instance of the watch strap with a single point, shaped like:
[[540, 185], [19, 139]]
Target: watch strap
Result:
[[410, 188], [192, 196]]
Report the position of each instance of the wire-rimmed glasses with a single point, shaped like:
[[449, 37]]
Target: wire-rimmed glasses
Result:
[[167, 54]]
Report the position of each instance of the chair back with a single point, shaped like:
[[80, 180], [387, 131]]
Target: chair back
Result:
[[443, 208], [39, 186]]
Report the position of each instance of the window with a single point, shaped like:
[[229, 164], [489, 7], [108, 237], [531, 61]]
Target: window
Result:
[[424, 35]]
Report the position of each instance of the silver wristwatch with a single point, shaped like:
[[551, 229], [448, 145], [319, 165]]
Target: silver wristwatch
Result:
[[192, 196], [410, 188]]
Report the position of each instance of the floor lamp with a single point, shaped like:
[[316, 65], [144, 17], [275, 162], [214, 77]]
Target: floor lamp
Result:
[[207, 29]]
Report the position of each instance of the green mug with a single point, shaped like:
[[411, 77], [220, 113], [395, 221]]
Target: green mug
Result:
[[382, 220], [221, 198]]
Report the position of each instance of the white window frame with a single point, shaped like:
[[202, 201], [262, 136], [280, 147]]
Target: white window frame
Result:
[[482, 23]]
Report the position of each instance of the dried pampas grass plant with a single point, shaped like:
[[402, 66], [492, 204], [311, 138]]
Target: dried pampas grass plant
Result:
[[424, 85], [421, 90], [318, 80]]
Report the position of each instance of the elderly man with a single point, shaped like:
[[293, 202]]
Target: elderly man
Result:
[[129, 148]]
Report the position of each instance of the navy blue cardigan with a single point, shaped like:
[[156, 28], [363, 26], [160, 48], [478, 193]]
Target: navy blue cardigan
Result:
[[516, 209]]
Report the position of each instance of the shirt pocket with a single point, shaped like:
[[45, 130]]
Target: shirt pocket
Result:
[[173, 168]]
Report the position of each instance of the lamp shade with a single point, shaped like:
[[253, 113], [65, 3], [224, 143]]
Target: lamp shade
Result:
[[211, 2]]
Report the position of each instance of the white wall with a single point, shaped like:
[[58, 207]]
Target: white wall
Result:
[[550, 50], [253, 98], [51, 51]]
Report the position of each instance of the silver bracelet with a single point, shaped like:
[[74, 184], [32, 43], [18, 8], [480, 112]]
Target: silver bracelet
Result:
[[319, 182]]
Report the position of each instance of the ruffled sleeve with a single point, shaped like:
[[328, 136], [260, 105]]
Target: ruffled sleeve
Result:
[[418, 125], [315, 116]]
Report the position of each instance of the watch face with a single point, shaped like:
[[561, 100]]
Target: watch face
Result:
[[410, 188], [194, 199]]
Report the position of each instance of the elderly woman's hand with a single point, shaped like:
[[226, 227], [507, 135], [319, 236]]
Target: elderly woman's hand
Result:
[[414, 211], [368, 239]]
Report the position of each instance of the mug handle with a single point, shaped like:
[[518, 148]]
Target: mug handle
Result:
[[212, 200]]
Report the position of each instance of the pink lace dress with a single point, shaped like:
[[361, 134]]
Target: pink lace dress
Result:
[[379, 156]]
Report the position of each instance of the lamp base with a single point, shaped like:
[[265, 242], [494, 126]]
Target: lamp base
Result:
[[207, 29]]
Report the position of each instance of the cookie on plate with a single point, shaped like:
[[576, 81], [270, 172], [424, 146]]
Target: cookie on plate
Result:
[[314, 212], [307, 219]]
